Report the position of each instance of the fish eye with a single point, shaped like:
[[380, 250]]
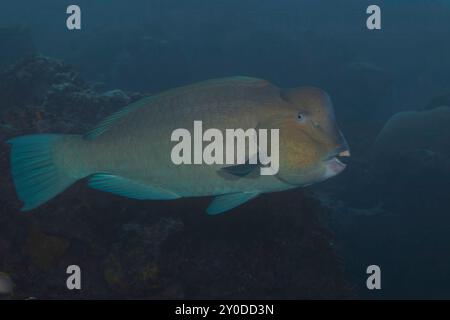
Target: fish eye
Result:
[[301, 117]]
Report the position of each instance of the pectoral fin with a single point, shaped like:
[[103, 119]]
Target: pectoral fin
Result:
[[251, 164], [227, 202], [241, 170]]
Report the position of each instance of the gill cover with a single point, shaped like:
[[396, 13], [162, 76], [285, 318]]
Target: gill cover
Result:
[[299, 154]]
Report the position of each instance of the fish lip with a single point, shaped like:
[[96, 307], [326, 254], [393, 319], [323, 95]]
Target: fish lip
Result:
[[335, 156], [333, 167], [345, 153], [335, 161], [338, 162]]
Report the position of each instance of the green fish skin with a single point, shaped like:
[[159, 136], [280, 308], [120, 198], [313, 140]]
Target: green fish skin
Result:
[[128, 153]]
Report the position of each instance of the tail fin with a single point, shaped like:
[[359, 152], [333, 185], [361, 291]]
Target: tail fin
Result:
[[36, 177]]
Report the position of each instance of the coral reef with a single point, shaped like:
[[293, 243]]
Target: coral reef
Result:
[[40, 94], [42, 249], [274, 247]]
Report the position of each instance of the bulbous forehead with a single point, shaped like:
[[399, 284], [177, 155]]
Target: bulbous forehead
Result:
[[311, 99]]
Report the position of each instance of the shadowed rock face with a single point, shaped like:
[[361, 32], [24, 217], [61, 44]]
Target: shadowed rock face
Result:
[[273, 247]]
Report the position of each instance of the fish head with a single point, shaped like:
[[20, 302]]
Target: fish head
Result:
[[310, 140]]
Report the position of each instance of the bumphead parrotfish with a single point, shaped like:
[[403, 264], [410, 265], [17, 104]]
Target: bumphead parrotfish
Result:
[[129, 153], [415, 134]]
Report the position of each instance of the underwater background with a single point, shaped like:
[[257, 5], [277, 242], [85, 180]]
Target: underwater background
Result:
[[390, 207]]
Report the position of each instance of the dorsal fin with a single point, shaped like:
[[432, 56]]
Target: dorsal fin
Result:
[[236, 80], [109, 121], [242, 80]]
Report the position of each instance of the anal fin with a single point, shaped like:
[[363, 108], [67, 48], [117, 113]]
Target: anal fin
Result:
[[227, 202], [129, 188]]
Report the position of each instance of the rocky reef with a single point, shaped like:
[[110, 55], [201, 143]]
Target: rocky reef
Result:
[[39, 94], [277, 246]]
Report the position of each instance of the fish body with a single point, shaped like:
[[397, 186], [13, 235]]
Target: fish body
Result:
[[414, 135], [129, 153]]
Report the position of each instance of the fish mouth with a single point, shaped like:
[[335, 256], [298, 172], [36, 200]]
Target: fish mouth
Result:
[[340, 154], [333, 163], [336, 165]]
